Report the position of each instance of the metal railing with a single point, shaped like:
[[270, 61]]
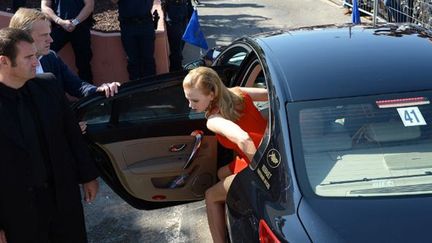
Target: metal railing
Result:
[[399, 11]]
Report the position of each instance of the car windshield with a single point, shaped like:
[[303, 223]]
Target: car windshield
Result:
[[364, 146]]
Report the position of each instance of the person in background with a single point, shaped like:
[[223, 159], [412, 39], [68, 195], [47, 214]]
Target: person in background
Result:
[[137, 36], [44, 157], [394, 11], [177, 14], [38, 26], [238, 125], [73, 21], [397, 12]]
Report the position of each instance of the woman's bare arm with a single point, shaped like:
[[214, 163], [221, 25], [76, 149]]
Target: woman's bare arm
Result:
[[257, 94], [230, 130]]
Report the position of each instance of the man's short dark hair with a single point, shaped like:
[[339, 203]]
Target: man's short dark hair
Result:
[[9, 38]]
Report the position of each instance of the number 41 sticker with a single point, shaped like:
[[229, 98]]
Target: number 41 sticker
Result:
[[411, 116]]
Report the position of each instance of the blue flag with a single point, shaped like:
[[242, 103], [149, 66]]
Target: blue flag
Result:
[[193, 34], [355, 13]]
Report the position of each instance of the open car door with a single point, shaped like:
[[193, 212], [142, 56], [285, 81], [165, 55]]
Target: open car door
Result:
[[141, 141]]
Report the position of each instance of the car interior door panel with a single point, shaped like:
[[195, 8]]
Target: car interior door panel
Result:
[[147, 167]]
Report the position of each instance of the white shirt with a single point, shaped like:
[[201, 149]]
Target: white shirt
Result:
[[39, 68]]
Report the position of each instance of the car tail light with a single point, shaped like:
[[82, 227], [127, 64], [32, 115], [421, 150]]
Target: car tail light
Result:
[[402, 102], [265, 233]]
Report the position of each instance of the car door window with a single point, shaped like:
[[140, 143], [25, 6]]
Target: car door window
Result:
[[159, 103], [251, 74], [156, 104], [99, 113], [233, 56], [254, 76]]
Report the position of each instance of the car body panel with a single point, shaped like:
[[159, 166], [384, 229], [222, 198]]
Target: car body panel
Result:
[[349, 61], [311, 64], [403, 219]]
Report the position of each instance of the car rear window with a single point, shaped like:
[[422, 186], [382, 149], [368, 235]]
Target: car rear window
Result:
[[362, 147]]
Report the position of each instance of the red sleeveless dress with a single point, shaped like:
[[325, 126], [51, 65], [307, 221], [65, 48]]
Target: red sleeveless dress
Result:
[[252, 122]]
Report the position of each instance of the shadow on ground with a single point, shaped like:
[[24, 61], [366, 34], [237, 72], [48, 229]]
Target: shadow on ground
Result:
[[224, 29], [111, 220]]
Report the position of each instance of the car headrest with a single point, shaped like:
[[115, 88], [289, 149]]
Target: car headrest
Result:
[[391, 131], [326, 143]]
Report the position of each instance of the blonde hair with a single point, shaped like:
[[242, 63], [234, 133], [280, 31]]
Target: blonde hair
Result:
[[228, 102], [24, 18]]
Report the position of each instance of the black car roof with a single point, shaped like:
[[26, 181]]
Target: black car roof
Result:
[[348, 61]]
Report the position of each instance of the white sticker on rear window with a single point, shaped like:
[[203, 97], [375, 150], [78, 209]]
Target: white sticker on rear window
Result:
[[411, 116]]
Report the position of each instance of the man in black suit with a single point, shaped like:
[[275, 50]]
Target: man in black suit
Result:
[[38, 26], [43, 155]]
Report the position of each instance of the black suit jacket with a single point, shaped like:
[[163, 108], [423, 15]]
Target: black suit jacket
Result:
[[69, 81], [68, 154]]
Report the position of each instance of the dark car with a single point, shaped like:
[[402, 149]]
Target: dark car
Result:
[[347, 155]]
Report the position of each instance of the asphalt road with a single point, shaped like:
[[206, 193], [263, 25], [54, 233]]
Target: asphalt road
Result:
[[223, 21], [108, 218]]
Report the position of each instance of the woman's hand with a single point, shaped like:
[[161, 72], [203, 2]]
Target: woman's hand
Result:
[[196, 132]]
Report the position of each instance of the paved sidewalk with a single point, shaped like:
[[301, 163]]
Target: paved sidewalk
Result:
[[111, 220]]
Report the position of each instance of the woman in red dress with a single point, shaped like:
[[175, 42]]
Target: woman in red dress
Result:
[[238, 125]]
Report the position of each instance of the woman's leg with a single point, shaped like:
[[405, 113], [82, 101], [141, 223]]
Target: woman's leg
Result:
[[215, 202], [224, 172]]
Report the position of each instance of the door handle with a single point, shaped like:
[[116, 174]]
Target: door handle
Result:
[[177, 147], [198, 138]]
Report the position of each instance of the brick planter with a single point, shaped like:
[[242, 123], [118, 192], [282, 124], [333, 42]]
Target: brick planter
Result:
[[109, 59]]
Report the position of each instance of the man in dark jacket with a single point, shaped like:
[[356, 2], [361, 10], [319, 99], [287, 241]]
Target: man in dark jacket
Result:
[[38, 26], [71, 83], [44, 157]]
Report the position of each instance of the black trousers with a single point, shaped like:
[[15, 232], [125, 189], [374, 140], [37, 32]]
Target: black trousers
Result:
[[80, 40], [176, 20], [175, 31], [138, 41]]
